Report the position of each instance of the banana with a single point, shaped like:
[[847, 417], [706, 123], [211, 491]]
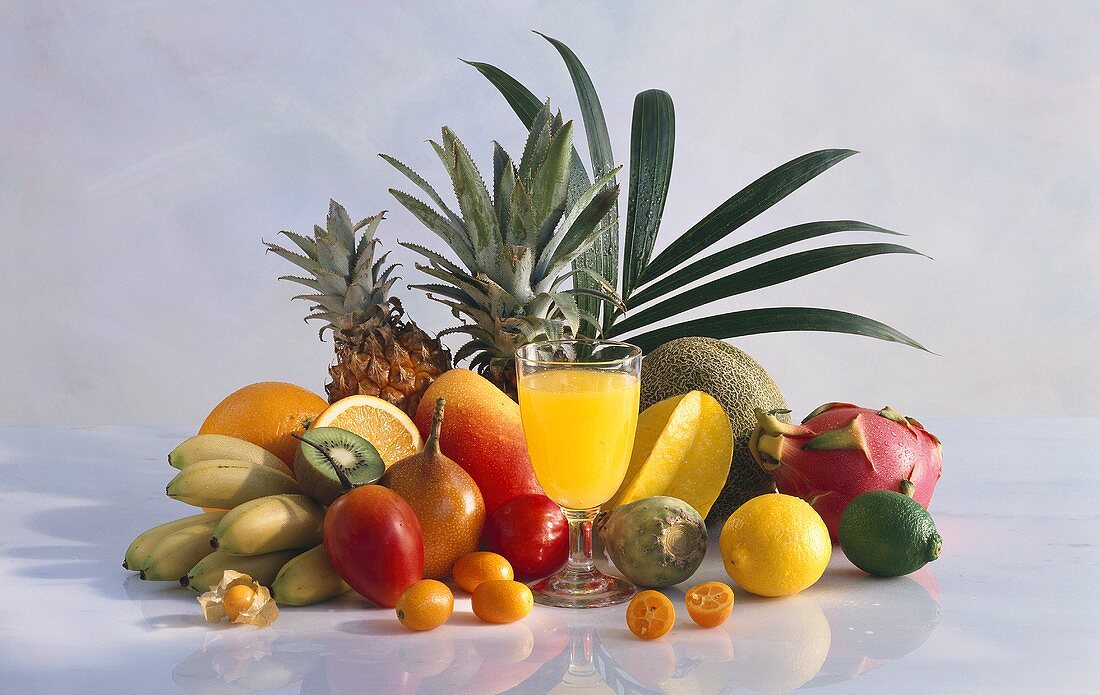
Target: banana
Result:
[[307, 579], [262, 568], [224, 484], [178, 552], [209, 447], [139, 549], [264, 525]]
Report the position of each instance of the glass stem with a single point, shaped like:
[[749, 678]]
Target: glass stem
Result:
[[580, 540]]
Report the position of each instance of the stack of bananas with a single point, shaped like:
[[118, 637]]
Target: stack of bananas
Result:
[[271, 531]]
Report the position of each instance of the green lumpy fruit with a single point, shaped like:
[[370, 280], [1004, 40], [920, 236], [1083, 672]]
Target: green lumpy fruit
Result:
[[888, 534], [655, 542]]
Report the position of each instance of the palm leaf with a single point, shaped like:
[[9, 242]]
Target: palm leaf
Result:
[[603, 257], [765, 274], [606, 297], [595, 126], [746, 250], [774, 320], [652, 142], [521, 99], [743, 206]]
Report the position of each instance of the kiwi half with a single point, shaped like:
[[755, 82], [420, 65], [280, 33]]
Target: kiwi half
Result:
[[324, 447]]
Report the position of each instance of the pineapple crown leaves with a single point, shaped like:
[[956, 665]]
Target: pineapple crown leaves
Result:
[[347, 280], [516, 242]]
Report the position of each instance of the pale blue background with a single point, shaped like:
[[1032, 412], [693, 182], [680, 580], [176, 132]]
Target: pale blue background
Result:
[[147, 147]]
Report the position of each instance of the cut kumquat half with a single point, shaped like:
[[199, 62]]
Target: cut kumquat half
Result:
[[650, 615], [709, 604]]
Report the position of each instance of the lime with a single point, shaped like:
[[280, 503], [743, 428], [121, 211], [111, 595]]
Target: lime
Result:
[[888, 534], [775, 545]]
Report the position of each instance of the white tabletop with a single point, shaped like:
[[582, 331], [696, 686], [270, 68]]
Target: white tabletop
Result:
[[1011, 606]]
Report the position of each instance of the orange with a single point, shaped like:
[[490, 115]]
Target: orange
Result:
[[381, 423], [266, 414], [502, 601], [650, 615], [425, 605], [709, 604], [474, 568]]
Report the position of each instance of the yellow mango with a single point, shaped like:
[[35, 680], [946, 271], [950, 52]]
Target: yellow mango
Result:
[[682, 448]]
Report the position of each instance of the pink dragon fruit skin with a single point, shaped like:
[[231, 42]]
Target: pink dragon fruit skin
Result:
[[841, 450]]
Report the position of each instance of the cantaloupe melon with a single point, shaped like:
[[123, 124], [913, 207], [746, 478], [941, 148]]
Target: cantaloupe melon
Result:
[[739, 383]]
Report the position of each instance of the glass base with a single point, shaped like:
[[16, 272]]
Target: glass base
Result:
[[590, 589]]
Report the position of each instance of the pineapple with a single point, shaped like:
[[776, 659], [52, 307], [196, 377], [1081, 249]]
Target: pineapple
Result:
[[516, 245], [378, 351]]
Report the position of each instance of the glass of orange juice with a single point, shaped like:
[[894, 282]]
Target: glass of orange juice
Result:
[[579, 403]]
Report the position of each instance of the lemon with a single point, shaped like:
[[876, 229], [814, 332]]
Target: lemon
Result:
[[775, 545]]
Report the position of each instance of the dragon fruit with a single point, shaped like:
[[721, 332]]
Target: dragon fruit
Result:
[[841, 450]]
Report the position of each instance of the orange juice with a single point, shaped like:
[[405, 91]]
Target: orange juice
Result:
[[579, 425]]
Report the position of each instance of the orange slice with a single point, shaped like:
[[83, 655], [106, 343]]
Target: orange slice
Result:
[[382, 424]]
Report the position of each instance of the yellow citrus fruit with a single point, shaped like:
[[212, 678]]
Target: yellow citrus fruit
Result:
[[709, 604], [502, 601], [266, 414], [425, 605], [382, 424], [775, 545], [474, 568], [650, 615]]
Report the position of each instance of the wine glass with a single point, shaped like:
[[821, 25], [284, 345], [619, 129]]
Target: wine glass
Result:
[[579, 403]]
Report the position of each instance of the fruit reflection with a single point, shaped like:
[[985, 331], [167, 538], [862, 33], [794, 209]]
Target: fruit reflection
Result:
[[844, 627], [890, 622], [427, 655], [244, 662], [780, 644]]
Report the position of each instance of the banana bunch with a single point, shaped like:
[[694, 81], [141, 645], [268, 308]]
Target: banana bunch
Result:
[[271, 531], [221, 472]]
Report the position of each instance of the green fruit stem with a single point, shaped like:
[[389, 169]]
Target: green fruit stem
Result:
[[908, 488], [432, 445], [344, 481]]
